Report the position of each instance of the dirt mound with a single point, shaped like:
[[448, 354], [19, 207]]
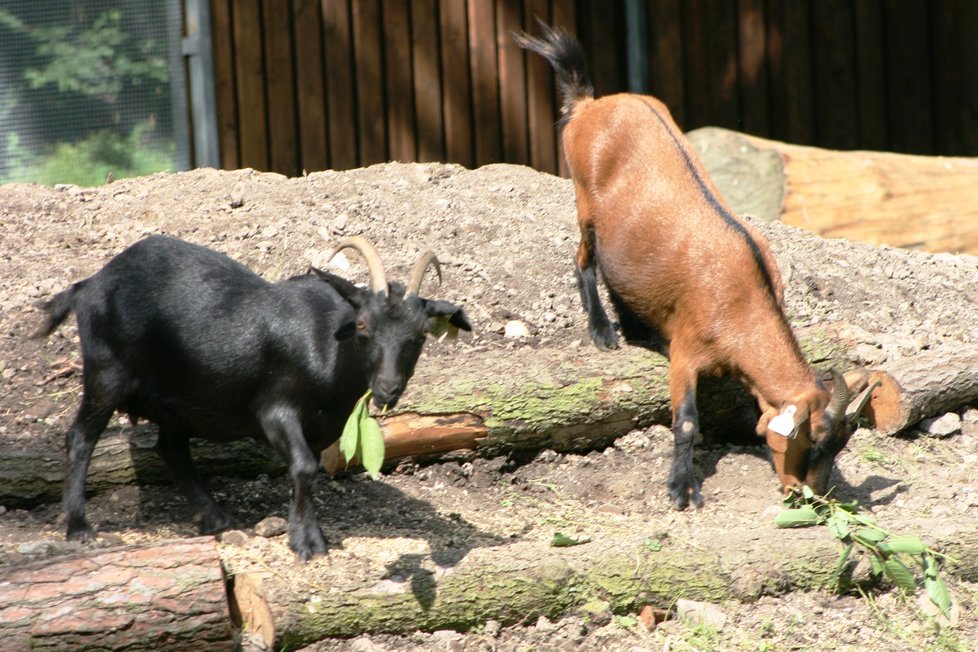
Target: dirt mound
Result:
[[506, 236]]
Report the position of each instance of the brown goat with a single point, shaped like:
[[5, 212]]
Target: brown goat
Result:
[[687, 277]]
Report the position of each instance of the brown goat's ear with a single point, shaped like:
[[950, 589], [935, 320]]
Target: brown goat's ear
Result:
[[788, 420]]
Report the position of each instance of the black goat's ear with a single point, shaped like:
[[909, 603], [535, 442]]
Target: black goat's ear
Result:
[[345, 330], [444, 316], [354, 296]]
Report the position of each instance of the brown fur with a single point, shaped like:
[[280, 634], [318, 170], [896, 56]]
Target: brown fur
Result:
[[683, 263]]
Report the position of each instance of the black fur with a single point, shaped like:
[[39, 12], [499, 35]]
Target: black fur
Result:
[[197, 343]]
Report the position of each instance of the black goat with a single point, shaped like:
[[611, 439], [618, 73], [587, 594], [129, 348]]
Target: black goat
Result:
[[200, 345]]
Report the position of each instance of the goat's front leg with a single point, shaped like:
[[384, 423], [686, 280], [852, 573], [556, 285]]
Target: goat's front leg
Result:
[[284, 431], [684, 488], [602, 332]]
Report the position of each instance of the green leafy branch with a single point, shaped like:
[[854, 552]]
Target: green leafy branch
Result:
[[891, 555], [361, 436]]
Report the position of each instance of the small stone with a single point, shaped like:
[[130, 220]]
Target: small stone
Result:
[[41, 547], [701, 613], [272, 526], [515, 329], [492, 628], [237, 197], [234, 537], [943, 426]]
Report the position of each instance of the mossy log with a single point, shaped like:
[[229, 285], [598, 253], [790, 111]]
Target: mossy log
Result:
[[565, 402], [169, 595], [920, 202], [519, 582]]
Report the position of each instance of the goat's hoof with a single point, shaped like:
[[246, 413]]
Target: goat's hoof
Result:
[[608, 342], [685, 495], [214, 522], [81, 534], [308, 544]]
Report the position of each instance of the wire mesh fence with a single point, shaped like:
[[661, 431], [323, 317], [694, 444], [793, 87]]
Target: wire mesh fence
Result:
[[90, 90]]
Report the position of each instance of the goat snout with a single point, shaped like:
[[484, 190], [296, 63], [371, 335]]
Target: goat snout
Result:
[[386, 392]]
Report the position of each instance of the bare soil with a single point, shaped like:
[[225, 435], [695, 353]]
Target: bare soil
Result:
[[506, 237]]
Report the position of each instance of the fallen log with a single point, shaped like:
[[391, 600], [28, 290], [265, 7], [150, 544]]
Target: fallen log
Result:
[[169, 595], [521, 581], [918, 202], [549, 399], [930, 383], [31, 477]]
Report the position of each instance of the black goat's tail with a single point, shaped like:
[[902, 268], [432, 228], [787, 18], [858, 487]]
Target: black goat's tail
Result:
[[567, 58], [56, 310]]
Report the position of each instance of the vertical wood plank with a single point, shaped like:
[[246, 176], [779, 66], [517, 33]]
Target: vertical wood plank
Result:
[[697, 53], [485, 78], [870, 72], [455, 74], [752, 68], [722, 48], [369, 65], [564, 16], [311, 98], [602, 34], [798, 82], [341, 103], [280, 82], [250, 75], [909, 78], [222, 39], [836, 116], [512, 84], [956, 77], [543, 107], [427, 80], [402, 144], [667, 59]]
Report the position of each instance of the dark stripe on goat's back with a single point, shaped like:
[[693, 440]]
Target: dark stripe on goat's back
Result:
[[718, 206]]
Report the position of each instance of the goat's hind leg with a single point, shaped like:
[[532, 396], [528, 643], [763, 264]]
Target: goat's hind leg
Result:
[[93, 415], [284, 431], [174, 448], [602, 332], [683, 486]]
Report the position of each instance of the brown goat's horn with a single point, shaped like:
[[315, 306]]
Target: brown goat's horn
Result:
[[840, 397], [378, 280], [420, 267]]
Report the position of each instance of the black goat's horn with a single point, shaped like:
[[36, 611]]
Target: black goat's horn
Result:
[[420, 267], [840, 397], [378, 280]]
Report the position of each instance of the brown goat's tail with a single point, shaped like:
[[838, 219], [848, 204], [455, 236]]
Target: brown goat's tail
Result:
[[567, 58], [57, 309]]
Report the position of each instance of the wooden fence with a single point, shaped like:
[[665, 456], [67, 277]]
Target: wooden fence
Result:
[[316, 84]]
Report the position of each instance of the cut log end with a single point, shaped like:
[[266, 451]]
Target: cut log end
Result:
[[885, 410], [249, 607]]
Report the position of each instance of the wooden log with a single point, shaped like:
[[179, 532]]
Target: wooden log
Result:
[[930, 383], [548, 399], [169, 595], [30, 477], [918, 202], [523, 580]]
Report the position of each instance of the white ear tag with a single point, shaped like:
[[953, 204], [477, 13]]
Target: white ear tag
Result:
[[784, 423]]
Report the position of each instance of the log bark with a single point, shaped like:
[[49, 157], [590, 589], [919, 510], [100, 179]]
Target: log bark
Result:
[[32, 477], [164, 596], [930, 383], [920, 202], [521, 581], [549, 399]]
